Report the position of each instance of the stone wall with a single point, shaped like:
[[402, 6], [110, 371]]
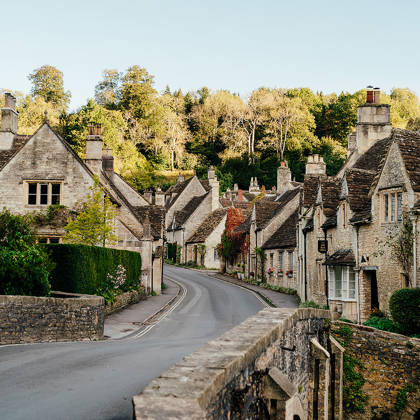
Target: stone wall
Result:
[[390, 361], [63, 317], [263, 367], [123, 300]]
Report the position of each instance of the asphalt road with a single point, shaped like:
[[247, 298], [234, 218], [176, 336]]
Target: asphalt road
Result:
[[96, 380]]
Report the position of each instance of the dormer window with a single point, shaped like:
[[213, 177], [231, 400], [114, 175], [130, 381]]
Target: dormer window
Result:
[[392, 207]]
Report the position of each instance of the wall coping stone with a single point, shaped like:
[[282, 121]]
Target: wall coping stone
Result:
[[195, 380]]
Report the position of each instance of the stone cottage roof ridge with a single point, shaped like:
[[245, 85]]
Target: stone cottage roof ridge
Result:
[[285, 235], [181, 216], [207, 226]]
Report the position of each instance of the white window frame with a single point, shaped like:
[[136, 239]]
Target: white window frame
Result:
[[348, 283]]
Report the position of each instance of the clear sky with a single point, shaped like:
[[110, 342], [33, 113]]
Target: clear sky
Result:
[[238, 45]]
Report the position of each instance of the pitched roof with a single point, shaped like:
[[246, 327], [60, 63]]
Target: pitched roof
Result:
[[330, 189], [359, 183], [285, 235], [373, 158], [310, 189], [206, 184], [181, 216], [409, 145], [341, 257], [176, 189], [330, 222], [208, 226], [156, 215], [6, 155]]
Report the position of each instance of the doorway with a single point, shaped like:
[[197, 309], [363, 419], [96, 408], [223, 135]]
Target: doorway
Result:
[[374, 300]]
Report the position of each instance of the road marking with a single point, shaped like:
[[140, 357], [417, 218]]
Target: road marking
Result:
[[166, 313]]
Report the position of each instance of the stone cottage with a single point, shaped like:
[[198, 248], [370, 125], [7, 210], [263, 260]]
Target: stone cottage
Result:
[[357, 216], [41, 170], [187, 205]]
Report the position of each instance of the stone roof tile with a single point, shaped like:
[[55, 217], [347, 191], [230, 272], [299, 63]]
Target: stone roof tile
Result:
[[207, 227], [285, 235]]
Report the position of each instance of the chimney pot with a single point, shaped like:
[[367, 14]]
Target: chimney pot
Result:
[[369, 94], [377, 96], [9, 101]]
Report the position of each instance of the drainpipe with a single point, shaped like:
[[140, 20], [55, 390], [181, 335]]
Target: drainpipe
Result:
[[304, 270], [357, 273], [326, 269], [256, 256], [414, 220]]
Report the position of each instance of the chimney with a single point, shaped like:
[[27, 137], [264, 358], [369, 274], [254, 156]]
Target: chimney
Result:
[[351, 143], [284, 177], [148, 196], [180, 179], [235, 187], [240, 196], [211, 173], [373, 121], [9, 119], [369, 95], [94, 148], [107, 160], [315, 166], [159, 197], [377, 96]]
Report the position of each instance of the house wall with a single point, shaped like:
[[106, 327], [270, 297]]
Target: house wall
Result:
[[284, 278], [212, 241]]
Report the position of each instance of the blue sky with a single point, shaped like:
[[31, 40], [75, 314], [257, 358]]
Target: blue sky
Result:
[[238, 45]]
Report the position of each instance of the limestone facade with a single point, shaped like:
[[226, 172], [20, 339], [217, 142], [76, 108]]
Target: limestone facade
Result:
[[42, 170]]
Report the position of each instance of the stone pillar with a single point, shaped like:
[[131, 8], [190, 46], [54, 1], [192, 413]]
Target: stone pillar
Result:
[[319, 381], [336, 397]]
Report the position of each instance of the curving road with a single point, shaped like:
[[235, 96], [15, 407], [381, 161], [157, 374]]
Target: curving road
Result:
[[96, 380]]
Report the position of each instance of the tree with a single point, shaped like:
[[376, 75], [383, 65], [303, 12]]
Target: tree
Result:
[[47, 82], [94, 224], [108, 91], [24, 265]]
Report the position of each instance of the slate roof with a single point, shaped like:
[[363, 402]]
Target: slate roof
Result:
[[330, 190], [156, 215], [309, 225], [372, 159], [409, 145], [177, 189], [6, 155], [206, 184], [330, 222], [310, 189], [359, 183], [183, 215], [207, 227], [285, 235], [341, 257]]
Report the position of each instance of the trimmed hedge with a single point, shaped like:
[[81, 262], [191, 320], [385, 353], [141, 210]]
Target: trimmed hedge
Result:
[[404, 306], [84, 269]]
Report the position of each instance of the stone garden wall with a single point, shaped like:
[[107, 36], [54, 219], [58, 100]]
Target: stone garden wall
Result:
[[61, 317], [270, 366], [390, 363]]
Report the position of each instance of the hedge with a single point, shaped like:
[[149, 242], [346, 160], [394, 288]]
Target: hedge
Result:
[[84, 269], [404, 306]]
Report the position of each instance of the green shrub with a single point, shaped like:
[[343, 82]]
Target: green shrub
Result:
[[383, 324], [310, 304], [86, 269], [172, 252], [404, 306], [24, 265]]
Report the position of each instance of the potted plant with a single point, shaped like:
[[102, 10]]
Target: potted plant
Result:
[[270, 271], [280, 273], [290, 273]]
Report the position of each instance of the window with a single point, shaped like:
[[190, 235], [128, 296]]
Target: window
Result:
[[44, 193], [290, 260], [393, 207], [342, 283], [215, 255], [281, 253], [49, 240], [399, 206], [271, 260]]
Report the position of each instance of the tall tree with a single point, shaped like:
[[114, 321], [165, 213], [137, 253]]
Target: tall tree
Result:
[[47, 82], [107, 92]]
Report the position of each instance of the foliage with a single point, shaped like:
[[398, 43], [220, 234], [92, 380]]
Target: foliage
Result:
[[232, 242], [24, 265], [55, 215], [92, 269], [94, 224], [383, 324], [404, 306], [354, 399], [113, 284], [402, 396], [178, 254], [171, 252], [47, 83], [312, 304]]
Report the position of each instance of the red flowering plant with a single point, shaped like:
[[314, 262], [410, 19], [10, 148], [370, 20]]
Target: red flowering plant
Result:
[[233, 243]]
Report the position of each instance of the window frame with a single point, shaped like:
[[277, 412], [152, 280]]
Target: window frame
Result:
[[348, 283], [392, 206], [40, 193]]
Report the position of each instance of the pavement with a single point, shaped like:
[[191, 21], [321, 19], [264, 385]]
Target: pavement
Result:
[[279, 300], [134, 317], [97, 379]]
